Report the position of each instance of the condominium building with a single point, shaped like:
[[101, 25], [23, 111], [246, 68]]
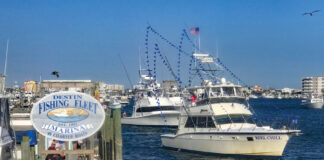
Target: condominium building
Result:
[[312, 85]]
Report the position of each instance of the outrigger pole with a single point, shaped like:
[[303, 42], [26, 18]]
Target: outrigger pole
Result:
[[129, 80], [5, 67]]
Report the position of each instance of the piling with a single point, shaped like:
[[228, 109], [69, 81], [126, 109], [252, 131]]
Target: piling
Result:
[[32, 154], [117, 135], [111, 139], [40, 145], [25, 148]]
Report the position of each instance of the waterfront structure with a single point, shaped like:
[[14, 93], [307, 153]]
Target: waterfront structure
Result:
[[30, 86], [75, 85], [312, 85], [2, 83]]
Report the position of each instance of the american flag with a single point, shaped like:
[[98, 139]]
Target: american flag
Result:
[[194, 31]]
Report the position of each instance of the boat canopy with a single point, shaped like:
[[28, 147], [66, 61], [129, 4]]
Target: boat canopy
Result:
[[217, 91]]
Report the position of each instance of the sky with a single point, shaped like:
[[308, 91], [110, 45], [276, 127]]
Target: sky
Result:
[[268, 43]]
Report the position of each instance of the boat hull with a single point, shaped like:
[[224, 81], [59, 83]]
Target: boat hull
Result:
[[261, 145], [318, 105], [154, 119], [21, 122]]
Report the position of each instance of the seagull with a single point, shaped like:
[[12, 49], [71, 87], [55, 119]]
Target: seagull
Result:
[[311, 13], [56, 73]]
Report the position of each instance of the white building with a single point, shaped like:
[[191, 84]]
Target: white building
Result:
[[287, 90], [312, 85], [110, 87]]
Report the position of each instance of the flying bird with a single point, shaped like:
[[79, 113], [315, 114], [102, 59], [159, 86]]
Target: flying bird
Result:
[[56, 73], [311, 13]]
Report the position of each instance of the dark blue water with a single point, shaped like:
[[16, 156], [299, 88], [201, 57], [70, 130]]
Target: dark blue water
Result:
[[145, 142]]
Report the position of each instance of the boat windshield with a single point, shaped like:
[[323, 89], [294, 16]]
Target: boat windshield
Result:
[[147, 93], [233, 119], [239, 91], [228, 91], [215, 92]]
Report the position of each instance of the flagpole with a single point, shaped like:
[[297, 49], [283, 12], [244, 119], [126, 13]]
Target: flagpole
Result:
[[199, 42]]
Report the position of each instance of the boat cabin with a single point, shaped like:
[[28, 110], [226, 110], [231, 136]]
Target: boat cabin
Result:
[[217, 106], [217, 93]]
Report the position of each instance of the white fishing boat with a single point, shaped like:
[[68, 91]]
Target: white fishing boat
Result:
[[313, 101], [153, 107], [21, 122], [220, 122], [253, 96]]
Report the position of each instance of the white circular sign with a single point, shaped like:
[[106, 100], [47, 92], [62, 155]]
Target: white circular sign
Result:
[[67, 116]]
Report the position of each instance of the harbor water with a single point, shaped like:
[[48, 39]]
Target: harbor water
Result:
[[145, 143]]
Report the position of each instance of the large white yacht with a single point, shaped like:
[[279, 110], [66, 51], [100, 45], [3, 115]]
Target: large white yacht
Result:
[[154, 108], [313, 101], [221, 122]]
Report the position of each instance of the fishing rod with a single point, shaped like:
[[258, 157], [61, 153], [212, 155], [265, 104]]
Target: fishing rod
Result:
[[130, 82]]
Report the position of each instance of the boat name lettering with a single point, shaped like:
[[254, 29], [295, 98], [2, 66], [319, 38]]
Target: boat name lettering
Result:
[[267, 137]]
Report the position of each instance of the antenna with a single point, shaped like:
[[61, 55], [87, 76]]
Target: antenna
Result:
[[5, 67], [139, 60], [217, 52]]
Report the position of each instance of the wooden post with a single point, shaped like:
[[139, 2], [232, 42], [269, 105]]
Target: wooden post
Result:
[[32, 153], [118, 143], [111, 136], [25, 148], [92, 139], [67, 145], [108, 137], [102, 137], [40, 145], [99, 136]]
